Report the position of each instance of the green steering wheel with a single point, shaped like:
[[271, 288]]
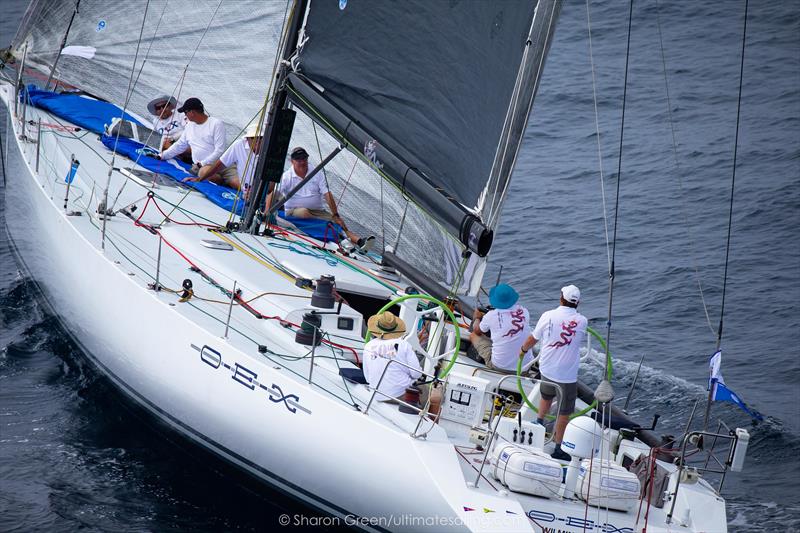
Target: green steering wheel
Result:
[[444, 307], [602, 341]]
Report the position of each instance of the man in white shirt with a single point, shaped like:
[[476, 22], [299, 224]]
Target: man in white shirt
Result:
[[205, 135], [308, 201], [508, 326], [243, 155], [168, 122], [385, 347], [561, 332]]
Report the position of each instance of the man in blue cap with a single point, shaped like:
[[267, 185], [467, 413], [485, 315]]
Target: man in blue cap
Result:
[[507, 324]]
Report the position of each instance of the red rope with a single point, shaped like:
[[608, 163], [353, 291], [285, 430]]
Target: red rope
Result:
[[238, 299]]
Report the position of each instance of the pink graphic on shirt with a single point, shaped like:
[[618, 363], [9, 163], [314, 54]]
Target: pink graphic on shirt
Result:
[[567, 333], [517, 323]]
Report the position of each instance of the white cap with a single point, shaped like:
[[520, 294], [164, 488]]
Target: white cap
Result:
[[251, 131], [571, 293]]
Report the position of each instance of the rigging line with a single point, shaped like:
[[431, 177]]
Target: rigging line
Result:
[[319, 151], [122, 116], [253, 256], [733, 181], [684, 210], [597, 130], [619, 178], [243, 172], [383, 216], [3, 158], [197, 47], [491, 221], [141, 68]]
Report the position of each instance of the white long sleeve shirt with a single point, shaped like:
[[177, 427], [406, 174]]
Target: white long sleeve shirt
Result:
[[207, 141], [377, 354]]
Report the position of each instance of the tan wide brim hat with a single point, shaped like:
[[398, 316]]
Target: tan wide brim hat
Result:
[[386, 326]]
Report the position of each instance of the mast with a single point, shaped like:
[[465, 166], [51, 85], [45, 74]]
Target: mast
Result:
[[280, 122]]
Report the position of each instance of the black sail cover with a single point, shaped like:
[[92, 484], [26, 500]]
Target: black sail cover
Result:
[[435, 93]]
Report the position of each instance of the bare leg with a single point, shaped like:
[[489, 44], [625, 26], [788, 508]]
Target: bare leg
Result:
[[544, 407], [561, 426]]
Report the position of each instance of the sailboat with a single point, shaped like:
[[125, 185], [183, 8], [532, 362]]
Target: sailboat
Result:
[[244, 335]]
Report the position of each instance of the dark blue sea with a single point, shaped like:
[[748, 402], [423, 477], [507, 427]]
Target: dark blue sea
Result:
[[74, 455]]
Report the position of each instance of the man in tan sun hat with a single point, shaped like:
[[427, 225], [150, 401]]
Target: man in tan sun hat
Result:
[[387, 345], [237, 165]]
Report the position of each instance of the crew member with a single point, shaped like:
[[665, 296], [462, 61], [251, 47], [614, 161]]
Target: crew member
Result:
[[385, 347], [243, 155], [561, 331], [205, 135], [508, 325], [308, 201]]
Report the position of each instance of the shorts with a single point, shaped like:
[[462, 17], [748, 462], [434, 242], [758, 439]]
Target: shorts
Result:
[[569, 393], [229, 175], [312, 213], [481, 346]]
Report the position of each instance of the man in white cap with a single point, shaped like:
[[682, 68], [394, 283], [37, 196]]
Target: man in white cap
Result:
[[561, 332], [242, 155], [385, 346]]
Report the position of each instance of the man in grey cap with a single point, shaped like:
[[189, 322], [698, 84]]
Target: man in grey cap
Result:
[[168, 122], [561, 332], [308, 201]]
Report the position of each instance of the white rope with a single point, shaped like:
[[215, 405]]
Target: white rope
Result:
[[597, 130]]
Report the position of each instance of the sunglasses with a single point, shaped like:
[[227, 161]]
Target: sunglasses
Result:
[[160, 106]]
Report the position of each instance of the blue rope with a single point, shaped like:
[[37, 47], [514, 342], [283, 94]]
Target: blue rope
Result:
[[325, 257]]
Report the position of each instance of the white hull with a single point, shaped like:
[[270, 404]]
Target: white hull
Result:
[[225, 396], [146, 348]]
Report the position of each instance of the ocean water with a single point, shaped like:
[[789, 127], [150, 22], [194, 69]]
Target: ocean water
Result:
[[75, 455]]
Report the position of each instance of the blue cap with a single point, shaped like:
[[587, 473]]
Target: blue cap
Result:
[[503, 296]]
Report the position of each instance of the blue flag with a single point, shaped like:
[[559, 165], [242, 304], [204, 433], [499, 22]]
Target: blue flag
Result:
[[721, 392]]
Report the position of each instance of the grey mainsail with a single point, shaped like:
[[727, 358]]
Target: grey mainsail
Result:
[[435, 94]]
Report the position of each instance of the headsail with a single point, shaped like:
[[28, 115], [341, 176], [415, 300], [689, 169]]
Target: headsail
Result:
[[229, 48], [435, 94]]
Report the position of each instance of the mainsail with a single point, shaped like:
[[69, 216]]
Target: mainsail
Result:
[[435, 95]]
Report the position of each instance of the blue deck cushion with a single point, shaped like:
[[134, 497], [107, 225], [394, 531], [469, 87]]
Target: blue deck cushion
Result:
[[218, 194], [87, 113], [94, 115], [177, 170]]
